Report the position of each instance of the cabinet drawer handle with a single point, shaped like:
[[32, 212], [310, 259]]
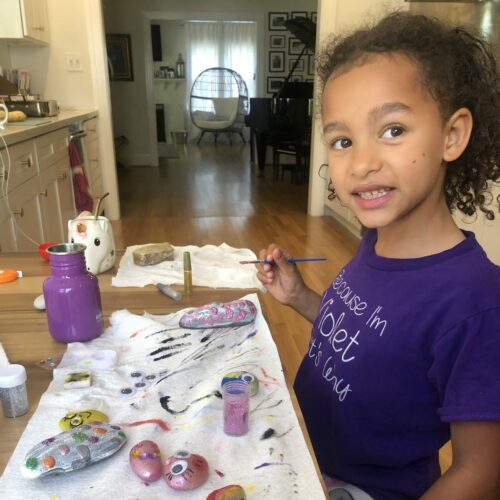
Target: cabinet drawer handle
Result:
[[61, 177], [19, 212], [26, 163], [43, 193]]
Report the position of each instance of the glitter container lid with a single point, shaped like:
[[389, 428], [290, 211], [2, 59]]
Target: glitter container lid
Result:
[[12, 376]]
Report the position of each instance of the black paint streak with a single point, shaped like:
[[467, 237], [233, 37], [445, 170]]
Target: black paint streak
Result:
[[162, 331], [268, 433], [169, 348], [165, 403], [171, 339]]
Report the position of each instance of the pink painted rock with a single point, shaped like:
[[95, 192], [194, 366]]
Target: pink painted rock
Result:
[[145, 460], [185, 471], [231, 492]]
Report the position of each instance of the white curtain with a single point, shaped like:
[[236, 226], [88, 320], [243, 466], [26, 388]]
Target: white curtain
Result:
[[226, 44]]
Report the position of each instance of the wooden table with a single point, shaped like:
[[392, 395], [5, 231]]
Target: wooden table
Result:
[[26, 340]]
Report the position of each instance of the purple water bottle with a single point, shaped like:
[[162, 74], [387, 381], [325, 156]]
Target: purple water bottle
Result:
[[72, 296]]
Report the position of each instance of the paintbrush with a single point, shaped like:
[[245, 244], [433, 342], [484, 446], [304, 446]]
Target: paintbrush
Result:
[[292, 260]]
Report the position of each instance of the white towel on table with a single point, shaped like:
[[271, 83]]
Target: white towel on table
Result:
[[212, 266], [271, 461]]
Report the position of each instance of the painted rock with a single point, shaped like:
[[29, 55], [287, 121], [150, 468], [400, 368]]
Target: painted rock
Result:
[[235, 313], [74, 419], [231, 492], [74, 449], [185, 471], [247, 377], [145, 460]]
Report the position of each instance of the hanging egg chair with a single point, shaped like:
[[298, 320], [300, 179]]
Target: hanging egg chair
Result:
[[219, 102]]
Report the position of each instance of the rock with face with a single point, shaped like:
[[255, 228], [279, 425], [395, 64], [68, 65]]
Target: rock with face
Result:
[[185, 471]]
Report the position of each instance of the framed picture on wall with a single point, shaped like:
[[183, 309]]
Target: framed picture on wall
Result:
[[295, 46], [298, 14], [276, 21], [119, 52], [310, 65], [277, 41], [274, 83], [314, 17], [276, 61], [300, 65]]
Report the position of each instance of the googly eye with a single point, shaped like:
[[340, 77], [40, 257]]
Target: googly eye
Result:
[[127, 392], [76, 421], [97, 242], [248, 378], [178, 467]]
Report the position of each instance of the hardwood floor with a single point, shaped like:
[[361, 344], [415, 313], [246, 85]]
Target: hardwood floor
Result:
[[212, 194]]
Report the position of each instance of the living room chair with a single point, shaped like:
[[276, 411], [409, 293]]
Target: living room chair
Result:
[[219, 103]]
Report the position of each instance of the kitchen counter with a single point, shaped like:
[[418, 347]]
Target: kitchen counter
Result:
[[33, 127]]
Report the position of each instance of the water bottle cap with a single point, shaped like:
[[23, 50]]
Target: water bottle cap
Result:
[[12, 376]]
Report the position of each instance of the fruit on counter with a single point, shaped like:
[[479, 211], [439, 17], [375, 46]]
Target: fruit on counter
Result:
[[14, 116]]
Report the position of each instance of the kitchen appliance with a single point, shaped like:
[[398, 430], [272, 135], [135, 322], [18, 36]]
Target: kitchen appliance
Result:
[[32, 108]]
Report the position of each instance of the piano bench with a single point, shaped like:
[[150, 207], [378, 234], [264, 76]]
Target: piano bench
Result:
[[298, 170]]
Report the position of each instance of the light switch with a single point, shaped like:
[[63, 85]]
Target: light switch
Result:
[[73, 62]]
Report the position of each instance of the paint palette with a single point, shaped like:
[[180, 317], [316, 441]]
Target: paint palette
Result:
[[216, 315], [73, 450]]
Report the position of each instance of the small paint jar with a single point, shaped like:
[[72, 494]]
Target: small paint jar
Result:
[[236, 397], [13, 390]]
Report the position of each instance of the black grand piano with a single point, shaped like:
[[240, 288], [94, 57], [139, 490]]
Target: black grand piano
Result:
[[285, 119], [275, 121]]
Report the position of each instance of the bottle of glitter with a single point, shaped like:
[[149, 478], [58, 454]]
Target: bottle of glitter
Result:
[[236, 396], [13, 390]]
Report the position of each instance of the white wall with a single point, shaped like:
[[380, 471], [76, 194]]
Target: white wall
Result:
[[130, 107], [4, 54]]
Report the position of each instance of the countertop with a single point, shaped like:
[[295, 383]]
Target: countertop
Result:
[[15, 133]]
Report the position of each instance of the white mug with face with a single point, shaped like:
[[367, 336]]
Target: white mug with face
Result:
[[96, 233], [3, 121]]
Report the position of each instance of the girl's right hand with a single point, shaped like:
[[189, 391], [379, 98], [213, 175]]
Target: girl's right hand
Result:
[[281, 278]]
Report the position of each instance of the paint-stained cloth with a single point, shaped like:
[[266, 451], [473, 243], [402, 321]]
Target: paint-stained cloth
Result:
[[271, 461]]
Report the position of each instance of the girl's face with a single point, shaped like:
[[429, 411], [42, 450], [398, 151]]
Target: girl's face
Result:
[[385, 140]]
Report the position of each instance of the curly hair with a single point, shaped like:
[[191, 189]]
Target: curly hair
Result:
[[459, 69]]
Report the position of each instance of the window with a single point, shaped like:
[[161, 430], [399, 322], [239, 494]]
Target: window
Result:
[[230, 44]]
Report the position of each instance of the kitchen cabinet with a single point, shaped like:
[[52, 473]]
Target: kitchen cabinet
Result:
[[7, 237], [24, 20], [39, 193]]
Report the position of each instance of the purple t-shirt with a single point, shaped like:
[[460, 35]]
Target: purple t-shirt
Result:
[[400, 348]]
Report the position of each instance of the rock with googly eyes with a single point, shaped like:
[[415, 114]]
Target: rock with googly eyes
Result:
[[185, 471]]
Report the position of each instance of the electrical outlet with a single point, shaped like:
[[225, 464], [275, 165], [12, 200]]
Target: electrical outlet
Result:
[[73, 62]]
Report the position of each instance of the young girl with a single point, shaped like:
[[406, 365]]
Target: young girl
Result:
[[405, 345]]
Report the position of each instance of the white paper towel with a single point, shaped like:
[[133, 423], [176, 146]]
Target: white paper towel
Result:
[[271, 461], [212, 266]]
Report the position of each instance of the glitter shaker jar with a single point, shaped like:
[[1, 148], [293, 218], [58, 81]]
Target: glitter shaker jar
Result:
[[13, 390], [236, 396], [72, 296]]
